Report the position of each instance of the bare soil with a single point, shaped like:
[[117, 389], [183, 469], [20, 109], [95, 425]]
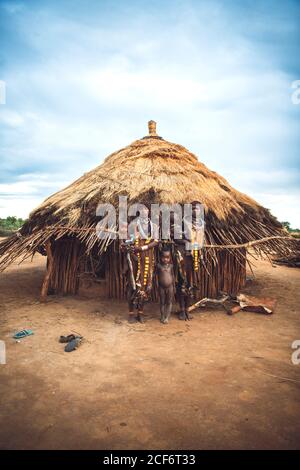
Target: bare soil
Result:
[[216, 382]]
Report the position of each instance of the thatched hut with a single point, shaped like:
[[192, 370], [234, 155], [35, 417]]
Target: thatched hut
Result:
[[149, 170]]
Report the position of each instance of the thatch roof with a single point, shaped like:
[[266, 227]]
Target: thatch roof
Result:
[[149, 170]]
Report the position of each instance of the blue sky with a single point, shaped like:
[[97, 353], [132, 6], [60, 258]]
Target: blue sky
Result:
[[84, 77]]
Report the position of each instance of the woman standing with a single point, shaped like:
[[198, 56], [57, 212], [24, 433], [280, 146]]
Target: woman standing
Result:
[[140, 263]]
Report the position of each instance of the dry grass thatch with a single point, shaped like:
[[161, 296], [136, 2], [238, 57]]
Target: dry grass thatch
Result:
[[149, 170]]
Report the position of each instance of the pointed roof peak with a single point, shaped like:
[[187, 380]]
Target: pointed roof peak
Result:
[[152, 131]]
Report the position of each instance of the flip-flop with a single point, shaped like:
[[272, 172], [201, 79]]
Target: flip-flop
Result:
[[73, 344], [66, 339], [22, 334]]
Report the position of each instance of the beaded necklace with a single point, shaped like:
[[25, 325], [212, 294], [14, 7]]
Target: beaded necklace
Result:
[[147, 263]]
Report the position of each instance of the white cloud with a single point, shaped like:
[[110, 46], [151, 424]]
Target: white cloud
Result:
[[27, 186], [18, 206], [28, 191], [11, 118], [284, 206], [92, 80]]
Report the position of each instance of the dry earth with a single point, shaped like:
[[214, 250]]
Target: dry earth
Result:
[[217, 382]]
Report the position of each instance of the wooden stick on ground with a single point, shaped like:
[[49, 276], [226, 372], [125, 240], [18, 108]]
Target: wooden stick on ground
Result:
[[252, 243], [46, 282], [206, 300]]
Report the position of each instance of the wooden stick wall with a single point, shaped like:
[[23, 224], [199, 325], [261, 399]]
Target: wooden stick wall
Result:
[[226, 272]]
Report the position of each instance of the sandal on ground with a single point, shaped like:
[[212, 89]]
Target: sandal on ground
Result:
[[23, 334], [73, 344], [66, 339]]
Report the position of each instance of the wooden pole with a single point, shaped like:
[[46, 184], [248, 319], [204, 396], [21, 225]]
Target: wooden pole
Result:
[[45, 286]]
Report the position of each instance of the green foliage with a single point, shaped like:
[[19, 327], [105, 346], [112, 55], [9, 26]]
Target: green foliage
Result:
[[295, 232], [286, 225], [10, 224]]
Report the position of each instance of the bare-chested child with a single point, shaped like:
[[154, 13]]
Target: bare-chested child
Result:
[[165, 275]]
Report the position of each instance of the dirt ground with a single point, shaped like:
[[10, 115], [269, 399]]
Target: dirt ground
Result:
[[217, 382]]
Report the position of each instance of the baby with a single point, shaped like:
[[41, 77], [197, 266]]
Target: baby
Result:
[[165, 275]]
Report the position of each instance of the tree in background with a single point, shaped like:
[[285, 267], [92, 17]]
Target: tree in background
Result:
[[295, 232], [10, 224], [286, 225]]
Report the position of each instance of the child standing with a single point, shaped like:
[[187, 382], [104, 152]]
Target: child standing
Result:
[[165, 275]]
